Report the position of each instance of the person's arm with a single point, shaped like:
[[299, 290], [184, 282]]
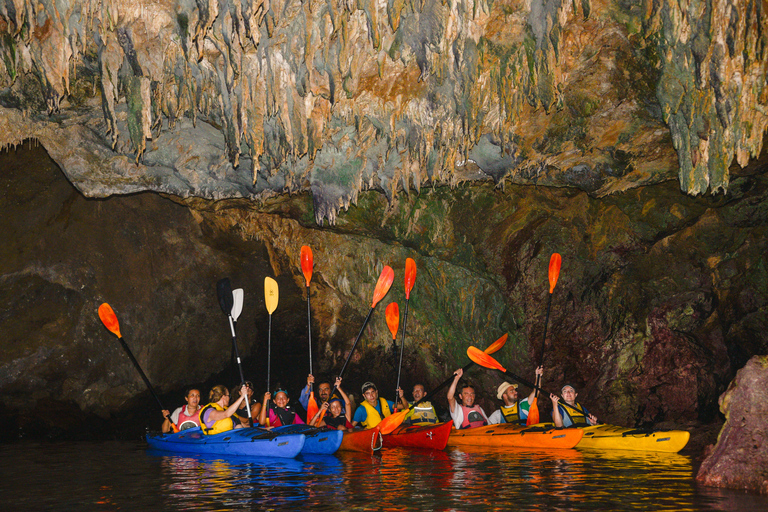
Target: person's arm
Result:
[[360, 415], [402, 403], [264, 409], [539, 374], [166, 427], [304, 396], [452, 390], [556, 416], [347, 403], [316, 421]]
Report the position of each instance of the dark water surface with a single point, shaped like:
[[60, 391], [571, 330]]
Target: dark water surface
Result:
[[119, 475]]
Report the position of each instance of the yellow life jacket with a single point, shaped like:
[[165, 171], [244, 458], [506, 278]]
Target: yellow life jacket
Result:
[[577, 419], [422, 414], [373, 417], [218, 427]]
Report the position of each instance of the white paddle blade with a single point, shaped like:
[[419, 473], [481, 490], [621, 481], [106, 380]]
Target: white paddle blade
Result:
[[237, 307], [270, 294]]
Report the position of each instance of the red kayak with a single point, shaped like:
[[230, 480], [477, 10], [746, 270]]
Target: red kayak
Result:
[[367, 441], [431, 437]]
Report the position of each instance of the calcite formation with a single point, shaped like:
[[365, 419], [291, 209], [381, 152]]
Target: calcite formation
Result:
[[234, 98]]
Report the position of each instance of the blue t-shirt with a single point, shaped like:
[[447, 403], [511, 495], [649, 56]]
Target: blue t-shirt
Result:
[[361, 413]]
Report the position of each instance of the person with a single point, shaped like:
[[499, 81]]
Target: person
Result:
[[242, 413], [513, 410], [423, 413], [281, 413], [185, 416], [332, 414], [466, 414], [323, 392], [564, 416], [216, 416], [374, 409]]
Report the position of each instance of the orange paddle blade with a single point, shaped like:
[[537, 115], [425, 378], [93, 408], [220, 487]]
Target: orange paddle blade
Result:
[[392, 314], [496, 345], [109, 319], [312, 407], [554, 270], [382, 285], [306, 263], [410, 276], [391, 422], [533, 413], [483, 359]]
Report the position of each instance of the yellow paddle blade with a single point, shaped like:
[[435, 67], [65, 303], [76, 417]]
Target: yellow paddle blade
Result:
[[109, 319], [496, 345], [391, 422], [270, 294], [383, 285], [479, 357]]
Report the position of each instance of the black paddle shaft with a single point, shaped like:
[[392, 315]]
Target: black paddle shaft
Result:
[[402, 347], [349, 356]]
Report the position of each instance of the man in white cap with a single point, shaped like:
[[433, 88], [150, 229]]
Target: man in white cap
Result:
[[513, 410], [576, 415]]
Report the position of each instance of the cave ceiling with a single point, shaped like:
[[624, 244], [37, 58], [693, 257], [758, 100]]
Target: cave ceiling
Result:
[[221, 99]]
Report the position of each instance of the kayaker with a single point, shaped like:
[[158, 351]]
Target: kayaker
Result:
[[242, 412], [216, 417], [335, 416], [185, 416], [513, 410], [564, 416], [465, 414], [374, 409], [281, 413], [323, 391], [424, 413]]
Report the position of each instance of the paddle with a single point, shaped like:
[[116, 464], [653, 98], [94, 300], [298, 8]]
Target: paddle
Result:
[[554, 273], [230, 303], [410, 279], [392, 316], [109, 319], [393, 421], [483, 359], [306, 269], [270, 299], [382, 287]]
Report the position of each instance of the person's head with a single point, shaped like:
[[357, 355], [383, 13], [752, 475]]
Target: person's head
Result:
[[467, 395], [193, 397], [418, 392], [248, 384], [334, 407], [370, 393], [324, 391], [281, 398], [507, 392], [219, 394], [569, 394]]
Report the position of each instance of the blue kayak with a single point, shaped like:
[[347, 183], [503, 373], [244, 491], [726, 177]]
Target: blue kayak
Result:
[[251, 442], [318, 440]]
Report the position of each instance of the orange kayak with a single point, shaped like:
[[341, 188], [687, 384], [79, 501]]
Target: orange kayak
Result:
[[508, 434], [367, 441], [431, 437]]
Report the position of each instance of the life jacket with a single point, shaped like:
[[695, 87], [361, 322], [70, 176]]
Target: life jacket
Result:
[[339, 421], [422, 414], [573, 416], [512, 413], [188, 421], [218, 427], [285, 416], [373, 417], [473, 417]]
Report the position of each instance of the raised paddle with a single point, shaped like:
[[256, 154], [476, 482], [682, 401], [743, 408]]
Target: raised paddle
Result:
[[270, 300], [554, 272], [410, 279], [228, 304], [393, 421], [306, 269], [392, 316], [109, 319], [485, 360]]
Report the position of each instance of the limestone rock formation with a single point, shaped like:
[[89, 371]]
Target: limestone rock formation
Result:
[[739, 460], [236, 98]]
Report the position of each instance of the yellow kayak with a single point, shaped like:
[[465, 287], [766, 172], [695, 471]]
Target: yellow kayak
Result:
[[507, 434], [612, 437]]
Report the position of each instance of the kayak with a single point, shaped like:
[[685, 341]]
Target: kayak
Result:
[[367, 441], [318, 440], [431, 437], [509, 434], [612, 437], [253, 442]]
